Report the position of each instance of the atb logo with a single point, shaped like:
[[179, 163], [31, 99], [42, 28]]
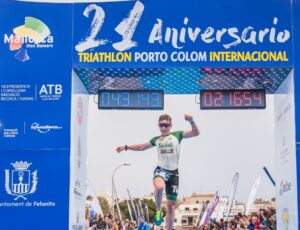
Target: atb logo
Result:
[[22, 181], [51, 92]]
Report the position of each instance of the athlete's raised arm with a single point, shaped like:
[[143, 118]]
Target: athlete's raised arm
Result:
[[194, 131], [138, 147]]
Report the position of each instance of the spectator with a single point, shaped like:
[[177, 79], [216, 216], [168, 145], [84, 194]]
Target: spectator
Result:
[[88, 202], [87, 221], [143, 225]]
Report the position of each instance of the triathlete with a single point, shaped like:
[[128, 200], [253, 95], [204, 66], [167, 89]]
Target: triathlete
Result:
[[166, 175]]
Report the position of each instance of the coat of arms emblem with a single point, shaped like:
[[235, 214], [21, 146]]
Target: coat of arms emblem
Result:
[[22, 181]]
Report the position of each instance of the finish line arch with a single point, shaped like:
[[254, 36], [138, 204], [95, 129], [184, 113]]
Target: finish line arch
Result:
[[50, 64]]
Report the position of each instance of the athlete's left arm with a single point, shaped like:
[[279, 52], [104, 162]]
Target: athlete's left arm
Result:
[[194, 131]]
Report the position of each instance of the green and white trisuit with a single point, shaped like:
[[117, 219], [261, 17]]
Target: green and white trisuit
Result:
[[168, 149]]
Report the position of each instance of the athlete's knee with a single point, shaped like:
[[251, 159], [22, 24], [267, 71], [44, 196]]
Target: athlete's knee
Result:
[[171, 204], [159, 184], [159, 188]]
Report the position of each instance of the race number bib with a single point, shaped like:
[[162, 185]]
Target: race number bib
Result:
[[162, 173]]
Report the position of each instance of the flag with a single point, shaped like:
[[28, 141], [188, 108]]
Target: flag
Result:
[[269, 175], [235, 181], [141, 212], [212, 207], [133, 206], [221, 211], [252, 195], [201, 214], [129, 210], [147, 212]]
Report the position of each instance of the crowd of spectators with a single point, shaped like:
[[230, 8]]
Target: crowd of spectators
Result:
[[262, 220], [94, 221], [98, 222]]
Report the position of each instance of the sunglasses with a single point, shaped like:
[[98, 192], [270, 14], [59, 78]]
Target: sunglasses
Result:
[[164, 125]]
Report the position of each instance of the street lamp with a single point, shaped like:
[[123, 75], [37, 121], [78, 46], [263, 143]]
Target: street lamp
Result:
[[114, 192]]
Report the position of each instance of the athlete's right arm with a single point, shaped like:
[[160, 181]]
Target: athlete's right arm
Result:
[[139, 147]]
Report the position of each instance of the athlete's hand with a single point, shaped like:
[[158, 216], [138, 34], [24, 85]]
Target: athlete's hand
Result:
[[120, 148], [188, 117]]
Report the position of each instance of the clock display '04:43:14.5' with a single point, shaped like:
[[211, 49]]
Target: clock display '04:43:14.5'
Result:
[[131, 99]]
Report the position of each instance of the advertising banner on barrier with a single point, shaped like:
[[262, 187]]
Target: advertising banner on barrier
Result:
[[154, 33], [35, 83]]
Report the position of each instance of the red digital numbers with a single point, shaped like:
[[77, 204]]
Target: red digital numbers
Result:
[[227, 99], [247, 98], [208, 98], [240, 98], [213, 99], [236, 98], [218, 98], [258, 96]]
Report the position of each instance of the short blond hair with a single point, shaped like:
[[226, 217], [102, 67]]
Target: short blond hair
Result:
[[165, 117]]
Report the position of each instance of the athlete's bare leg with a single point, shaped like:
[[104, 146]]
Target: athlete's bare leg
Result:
[[170, 214], [159, 186]]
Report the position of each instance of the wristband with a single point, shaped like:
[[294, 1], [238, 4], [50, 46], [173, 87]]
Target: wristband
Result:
[[192, 122], [126, 147]]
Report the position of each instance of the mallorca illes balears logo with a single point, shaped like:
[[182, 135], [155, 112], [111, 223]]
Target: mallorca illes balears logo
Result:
[[23, 181], [33, 34]]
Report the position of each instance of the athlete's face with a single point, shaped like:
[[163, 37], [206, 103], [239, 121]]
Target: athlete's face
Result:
[[164, 127]]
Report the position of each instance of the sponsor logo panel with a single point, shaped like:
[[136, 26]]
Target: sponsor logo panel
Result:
[[21, 184], [33, 34]]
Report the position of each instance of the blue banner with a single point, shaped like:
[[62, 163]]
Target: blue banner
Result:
[[35, 83], [180, 34], [296, 22], [35, 105], [34, 190]]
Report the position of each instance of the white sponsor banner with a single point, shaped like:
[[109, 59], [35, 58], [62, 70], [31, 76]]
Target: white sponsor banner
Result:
[[78, 155], [252, 195], [285, 139]]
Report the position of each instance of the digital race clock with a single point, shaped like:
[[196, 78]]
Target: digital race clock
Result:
[[233, 99], [131, 99]]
